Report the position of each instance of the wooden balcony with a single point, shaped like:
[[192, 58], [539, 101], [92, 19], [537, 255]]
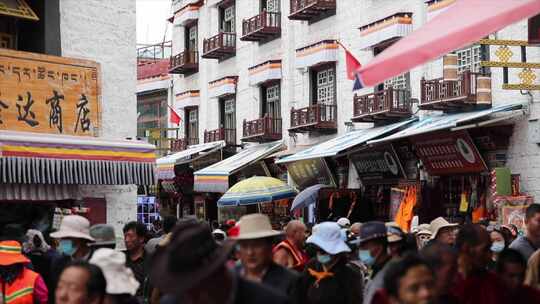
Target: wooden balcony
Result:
[[184, 63], [179, 144], [220, 46], [192, 141], [311, 9], [264, 129], [265, 26], [450, 95], [227, 135], [390, 104], [316, 118]]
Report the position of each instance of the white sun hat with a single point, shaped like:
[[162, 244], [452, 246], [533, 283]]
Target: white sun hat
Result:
[[120, 279], [327, 236], [73, 226]]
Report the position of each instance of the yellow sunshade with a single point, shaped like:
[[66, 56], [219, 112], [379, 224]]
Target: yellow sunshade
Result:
[[18, 9]]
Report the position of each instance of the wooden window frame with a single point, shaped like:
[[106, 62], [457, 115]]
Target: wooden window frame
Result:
[[314, 83]]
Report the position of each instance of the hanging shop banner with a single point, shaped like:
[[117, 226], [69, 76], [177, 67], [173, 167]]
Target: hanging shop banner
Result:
[[48, 94], [378, 163], [309, 172], [446, 153]]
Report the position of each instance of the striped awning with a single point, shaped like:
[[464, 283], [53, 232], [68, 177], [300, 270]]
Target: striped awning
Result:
[[186, 14], [264, 72], [27, 158], [222, 87], [395, 26], [215, 178], [435, 7], [320, 52], [187, 99]]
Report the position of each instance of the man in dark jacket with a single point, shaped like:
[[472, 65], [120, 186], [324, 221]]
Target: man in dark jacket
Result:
[[191, 269], [256, 264]]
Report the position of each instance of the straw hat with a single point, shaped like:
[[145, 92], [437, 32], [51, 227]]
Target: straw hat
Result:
[[328, 237], [73, 226], [120, 279], [255, 226], [437, 224], [11, 253]]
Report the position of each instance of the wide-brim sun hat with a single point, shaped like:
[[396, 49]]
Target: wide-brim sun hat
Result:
[[73, 226], [327, 236], [120, 279], [191, 256], [437, 224], [371, 231], [103, 235], [255, 226], [11, 253]]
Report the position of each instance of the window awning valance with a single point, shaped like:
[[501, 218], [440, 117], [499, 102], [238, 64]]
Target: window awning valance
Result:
[[27, 158], [186, 14], [264, 72], [395, 26], [320, 52], [222, 87], [435, 7], [187, 99]]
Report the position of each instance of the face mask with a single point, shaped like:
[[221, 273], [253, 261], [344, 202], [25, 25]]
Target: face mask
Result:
[[66, 247], [365, 257], [324, 258], [497, 247]]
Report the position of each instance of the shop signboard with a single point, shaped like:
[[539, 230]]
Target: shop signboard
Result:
[[378, 163], [445, 153], [309, 172], [49, 94]]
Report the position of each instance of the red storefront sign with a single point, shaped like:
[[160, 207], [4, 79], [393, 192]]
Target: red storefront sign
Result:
[[445, 153]]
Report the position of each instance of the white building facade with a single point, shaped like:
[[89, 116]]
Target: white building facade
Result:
[[304, 65]]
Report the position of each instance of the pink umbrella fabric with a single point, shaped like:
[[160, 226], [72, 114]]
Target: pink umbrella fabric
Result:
[[463, 23]]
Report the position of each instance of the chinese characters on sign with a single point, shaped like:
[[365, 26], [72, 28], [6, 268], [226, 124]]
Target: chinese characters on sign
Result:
[[309, 172], [48, 94]]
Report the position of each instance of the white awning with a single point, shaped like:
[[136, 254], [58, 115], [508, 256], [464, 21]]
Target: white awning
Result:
[[320, 52], [341, 143], [165, 165], [267, 71], [398, 25], [222, 87], [187, 99], [186, 14], [215, 178], [440, 122]]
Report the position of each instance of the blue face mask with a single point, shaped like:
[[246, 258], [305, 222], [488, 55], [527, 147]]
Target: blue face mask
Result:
[[324, 258], [66, 247], [497, 247], [366, 258]]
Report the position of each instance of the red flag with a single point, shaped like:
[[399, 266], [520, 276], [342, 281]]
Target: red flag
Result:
[[353, 65], [174, 117]]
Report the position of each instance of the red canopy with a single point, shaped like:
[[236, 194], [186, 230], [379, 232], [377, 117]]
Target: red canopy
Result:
[[463, 23]]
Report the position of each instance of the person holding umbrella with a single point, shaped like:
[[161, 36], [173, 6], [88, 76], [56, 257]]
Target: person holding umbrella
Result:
[[328, 278]]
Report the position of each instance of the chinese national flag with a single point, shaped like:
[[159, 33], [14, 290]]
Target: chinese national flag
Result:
[[174, 117], [353, 65]]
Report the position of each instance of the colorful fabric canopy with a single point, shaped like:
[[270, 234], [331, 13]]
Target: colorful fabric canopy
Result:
[[459, 25], [28, 158], [256, 189]]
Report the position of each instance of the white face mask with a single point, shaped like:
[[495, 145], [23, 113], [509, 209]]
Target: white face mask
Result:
[[497, 246]]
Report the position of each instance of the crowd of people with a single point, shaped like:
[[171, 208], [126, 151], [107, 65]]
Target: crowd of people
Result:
[[189, 261]]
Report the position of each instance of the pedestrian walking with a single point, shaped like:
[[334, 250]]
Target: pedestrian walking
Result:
[[410, 280], [530, 242], [532, 277], [41, 255], [289, 253], [168, 224], [498, 244], [191, 269], [329, 279], [134, 237], [81, 283], [19, 285], [443, 261], [121, 283], [475, 284], [423, 235], [443, 231], [373, 252], [74, 239], [511, 267], [255, 241]]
